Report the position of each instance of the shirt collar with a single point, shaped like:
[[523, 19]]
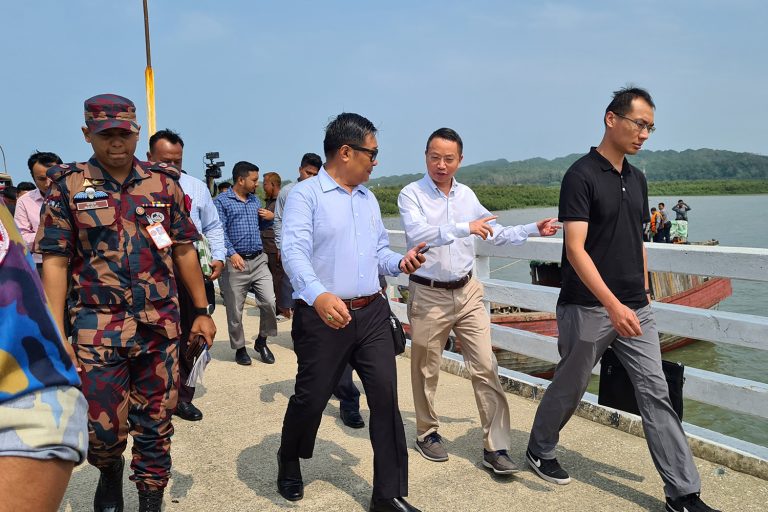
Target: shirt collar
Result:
[[433, 187], [230, 194], [327, 184], [35, 195], [96, 171], [605, 165]]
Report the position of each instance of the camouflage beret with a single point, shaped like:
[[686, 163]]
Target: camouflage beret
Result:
[[107, 111]]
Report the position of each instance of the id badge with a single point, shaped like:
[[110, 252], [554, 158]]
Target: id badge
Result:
[[159, 235]]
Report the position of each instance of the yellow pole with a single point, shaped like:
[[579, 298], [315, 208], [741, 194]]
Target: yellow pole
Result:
[[149, 78]]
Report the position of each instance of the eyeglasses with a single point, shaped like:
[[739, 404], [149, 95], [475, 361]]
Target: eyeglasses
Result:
[[448, 159], [640, 124], [371, 152]]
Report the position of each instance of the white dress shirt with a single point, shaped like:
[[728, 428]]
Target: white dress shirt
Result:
[[428, 215]]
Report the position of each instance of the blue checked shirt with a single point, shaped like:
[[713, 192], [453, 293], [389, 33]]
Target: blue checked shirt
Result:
[[241, 222], [204, 215], [334, 241]]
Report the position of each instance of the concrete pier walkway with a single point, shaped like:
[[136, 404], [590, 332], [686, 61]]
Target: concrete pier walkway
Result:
[[226, 462]]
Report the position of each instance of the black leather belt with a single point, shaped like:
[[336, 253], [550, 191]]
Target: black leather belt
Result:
[[352, 304], [250, 255], [446, 285]]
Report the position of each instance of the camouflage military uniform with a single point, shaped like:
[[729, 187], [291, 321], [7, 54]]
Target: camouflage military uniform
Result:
[[125, 318], [42, 413]]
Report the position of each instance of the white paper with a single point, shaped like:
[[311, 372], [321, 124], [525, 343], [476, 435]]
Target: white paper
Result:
[[196, 375]]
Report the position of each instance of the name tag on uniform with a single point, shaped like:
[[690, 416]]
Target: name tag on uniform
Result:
[[159, 235], [92, 205]]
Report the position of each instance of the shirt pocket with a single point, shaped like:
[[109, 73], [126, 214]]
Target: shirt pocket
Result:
[[160, 309]]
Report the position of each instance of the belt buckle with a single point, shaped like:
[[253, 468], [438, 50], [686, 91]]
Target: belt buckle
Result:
[[352, 308]]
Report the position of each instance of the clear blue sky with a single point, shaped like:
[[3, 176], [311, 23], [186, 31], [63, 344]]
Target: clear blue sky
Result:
[[258, 80]]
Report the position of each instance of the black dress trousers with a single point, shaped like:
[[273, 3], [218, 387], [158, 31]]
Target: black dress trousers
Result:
[[187, 317], [322, 353]]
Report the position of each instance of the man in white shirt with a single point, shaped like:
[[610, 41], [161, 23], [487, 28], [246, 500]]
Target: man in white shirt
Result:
[[167, 146], [444, 296]]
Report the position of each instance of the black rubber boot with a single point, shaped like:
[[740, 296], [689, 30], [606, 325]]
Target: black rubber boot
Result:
[[109, 492], [150, 500]]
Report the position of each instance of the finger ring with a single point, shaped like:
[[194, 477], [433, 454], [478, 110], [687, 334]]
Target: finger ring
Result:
[[330, 318]]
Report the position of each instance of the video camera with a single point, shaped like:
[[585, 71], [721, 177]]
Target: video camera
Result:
[[213, 169]]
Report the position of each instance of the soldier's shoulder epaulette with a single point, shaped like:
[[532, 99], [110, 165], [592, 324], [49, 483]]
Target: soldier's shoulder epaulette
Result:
[[60, 171], [164, 168]]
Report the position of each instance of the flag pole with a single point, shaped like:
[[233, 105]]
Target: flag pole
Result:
[[149, 78]]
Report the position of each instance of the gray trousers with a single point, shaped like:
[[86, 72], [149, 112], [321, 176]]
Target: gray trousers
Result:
[[235, 285], [585, 333]]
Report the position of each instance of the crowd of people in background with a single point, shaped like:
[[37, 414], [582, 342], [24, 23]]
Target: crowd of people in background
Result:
[[128, 252]]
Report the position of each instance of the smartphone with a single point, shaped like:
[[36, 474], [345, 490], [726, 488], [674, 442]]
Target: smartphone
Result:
[[424, 249]]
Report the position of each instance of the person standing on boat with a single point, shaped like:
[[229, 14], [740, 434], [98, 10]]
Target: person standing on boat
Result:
[[681, 220], [443, 296], [605, 301], [666, 225]]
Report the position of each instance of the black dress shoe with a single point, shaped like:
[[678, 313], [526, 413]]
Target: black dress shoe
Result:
[[352, 419], [242, 357], [109, 492], [289, 482], [261, 347], [391, 505], [188, 411]]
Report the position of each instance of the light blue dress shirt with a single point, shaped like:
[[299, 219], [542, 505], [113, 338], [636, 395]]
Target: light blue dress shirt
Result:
[[334, 241], [442, 221], [204, 215]]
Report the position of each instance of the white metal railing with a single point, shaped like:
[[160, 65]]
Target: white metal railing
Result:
[[725, 391]]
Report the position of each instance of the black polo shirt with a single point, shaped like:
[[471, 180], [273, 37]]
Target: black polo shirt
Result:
[[615, 205]]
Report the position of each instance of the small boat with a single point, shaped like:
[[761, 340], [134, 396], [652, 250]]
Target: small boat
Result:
[[682, 289]]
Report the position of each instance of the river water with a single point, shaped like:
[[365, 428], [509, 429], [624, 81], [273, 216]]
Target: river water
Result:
[[736, 221]]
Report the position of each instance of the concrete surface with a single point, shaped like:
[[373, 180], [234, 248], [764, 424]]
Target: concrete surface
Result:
[[227, 462]]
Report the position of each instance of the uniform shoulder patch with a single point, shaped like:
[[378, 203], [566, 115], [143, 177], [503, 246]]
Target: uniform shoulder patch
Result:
[[57, 172], [164, 168]]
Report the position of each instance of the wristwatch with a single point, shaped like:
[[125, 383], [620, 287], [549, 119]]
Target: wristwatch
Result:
[[208, 310]]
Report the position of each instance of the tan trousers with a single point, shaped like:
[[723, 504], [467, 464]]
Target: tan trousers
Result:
[[432, 313]]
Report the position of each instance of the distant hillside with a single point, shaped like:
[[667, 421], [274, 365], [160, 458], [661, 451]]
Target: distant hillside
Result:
[[691, 164]]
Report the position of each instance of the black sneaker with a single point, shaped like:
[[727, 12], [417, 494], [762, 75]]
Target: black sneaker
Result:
[[548, 469], [688, 503]]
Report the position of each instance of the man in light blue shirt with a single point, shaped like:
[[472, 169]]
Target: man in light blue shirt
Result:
[[167, 146], [334, 246]]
